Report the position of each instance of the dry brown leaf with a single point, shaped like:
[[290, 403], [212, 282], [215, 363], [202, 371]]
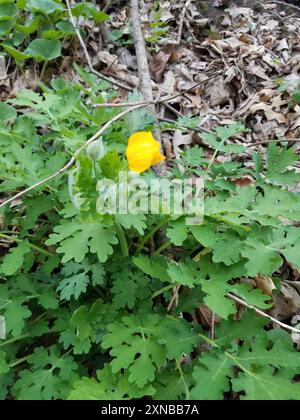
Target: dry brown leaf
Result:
[[160, 60], [287, 302], [181, 140], [265, 284], [218, 92], [269, 113]]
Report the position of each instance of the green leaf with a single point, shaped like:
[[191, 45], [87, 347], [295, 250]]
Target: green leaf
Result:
[[171, 385], [76, 239], [212, 377], [245, 329], [128, 221], [4, 368], [7, 112], [49, 377], [44, 6], [89, 10], [183, 273], [14, 310], [19, 56], [265, 386], [112, 164], [153, 266], [279, 163], [14, 260], [73, 286], [44, 49], [177, 232], [109, 386], [260, 367], [129, 286], [262, 259], [217, 139], [134, 347]]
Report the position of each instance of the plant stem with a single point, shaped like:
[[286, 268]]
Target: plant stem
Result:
[[150, 235], [122, 240], [161, 291], [14, 340], [20, 361], [43, 70], [163, 247], [35, 247], [183, 379]]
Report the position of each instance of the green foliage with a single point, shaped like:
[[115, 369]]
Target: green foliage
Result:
[[89, 298], [36, 28], [266, 364]]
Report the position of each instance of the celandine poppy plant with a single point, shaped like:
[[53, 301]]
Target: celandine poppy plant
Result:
[[143, 151]]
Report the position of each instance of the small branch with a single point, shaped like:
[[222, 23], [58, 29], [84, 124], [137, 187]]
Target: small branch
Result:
[[162, 100], [32, 246], [288, 5], [259, 312], [174, 298], [213, 326], [121, 104], [187, 4], [87, 56], [208, 79], [73, 159], [144, 70], [273, 141]]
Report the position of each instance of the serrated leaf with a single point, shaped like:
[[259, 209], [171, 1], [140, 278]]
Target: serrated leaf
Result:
[[153, 266], [14, 260], [136, 221], [4, 368], [77, 239], [177, 232], [50, 376], [211, 377]]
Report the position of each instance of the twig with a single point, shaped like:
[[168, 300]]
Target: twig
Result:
[[273, 141], [199, 129], [259, 312], [187, 4], [87, 56], [122, 104], [174, 297], [162, 100], [143, 69], [107, 6], [288, 5], [73, 159], [208, 79], [213, 326]]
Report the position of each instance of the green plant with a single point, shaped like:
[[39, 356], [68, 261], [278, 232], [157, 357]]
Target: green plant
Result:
[[31, 29], [157, 28], [86, 296]]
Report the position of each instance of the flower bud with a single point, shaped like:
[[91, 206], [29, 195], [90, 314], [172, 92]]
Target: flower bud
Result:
[[95, 150]]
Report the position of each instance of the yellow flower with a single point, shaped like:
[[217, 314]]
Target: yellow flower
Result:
[[143, 151]]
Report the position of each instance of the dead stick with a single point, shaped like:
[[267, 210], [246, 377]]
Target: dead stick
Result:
[[174, 297], [182, 21], [87, 56], [144, 70], [262, 313]]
